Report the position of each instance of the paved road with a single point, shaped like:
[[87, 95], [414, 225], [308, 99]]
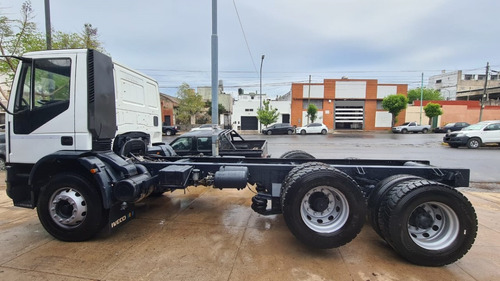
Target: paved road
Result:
[[482, 162]]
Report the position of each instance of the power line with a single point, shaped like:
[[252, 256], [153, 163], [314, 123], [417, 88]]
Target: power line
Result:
[[244, 36]]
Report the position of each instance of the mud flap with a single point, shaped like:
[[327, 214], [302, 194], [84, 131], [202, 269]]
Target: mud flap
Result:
[[119, 214]]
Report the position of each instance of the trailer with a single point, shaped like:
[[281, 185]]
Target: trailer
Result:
[[100, 157]]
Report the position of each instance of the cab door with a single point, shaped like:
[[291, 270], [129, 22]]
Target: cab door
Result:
[[491, 133], [43, 107]]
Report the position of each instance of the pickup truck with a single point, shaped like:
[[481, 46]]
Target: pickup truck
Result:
[[411, 127], [230, 144], [474, 136]]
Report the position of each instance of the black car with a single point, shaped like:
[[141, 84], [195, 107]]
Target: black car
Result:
[[451, 127], [170, 130], [279, 128]]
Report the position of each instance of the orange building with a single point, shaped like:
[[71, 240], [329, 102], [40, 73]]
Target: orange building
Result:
[[168, 103], [352, 104]]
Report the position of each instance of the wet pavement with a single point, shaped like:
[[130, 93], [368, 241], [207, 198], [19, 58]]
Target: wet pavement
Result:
[[207, 234]]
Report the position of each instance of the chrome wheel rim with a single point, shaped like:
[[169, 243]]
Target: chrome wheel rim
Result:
[[67, 208], [324, 209], [433, 226]]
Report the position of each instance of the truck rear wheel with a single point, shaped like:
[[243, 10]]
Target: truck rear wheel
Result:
[[70, 209], [379, 193], [428, 223], [322, 206]]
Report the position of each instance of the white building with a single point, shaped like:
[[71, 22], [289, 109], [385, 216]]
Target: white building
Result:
[[244, 115], [456, 85]]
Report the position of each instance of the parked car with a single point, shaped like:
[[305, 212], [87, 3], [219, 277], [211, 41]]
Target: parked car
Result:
[[475, 135], [170, 130], [411, 127], [313, 128], [451, 127], [279, 128], [203, 127]]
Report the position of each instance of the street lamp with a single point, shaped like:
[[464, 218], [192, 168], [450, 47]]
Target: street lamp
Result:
[[260, 97]]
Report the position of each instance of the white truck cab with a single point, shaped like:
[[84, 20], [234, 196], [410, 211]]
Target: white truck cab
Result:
[[77, 100]]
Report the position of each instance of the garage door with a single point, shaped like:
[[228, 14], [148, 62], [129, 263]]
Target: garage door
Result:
[[249, 123], [349, 115]]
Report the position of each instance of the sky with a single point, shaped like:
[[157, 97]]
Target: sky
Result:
[[394, 41]]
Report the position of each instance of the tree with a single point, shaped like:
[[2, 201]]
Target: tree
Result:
[[428, 94], [18, 36], [432, 110], [221, 108], [395, 104], [312, 112], [190, 104], [267, 114]]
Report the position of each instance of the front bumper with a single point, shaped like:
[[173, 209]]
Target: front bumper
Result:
[[455, 140]]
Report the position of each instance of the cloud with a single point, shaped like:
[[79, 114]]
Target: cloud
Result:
[[170, 40]]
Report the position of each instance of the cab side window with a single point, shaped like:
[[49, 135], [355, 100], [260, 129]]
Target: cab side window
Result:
[[43, 93]]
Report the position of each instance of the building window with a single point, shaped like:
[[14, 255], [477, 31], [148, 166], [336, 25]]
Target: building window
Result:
[[481, 77], [468, 77], [317, 103], [438, 81], [494, 77]]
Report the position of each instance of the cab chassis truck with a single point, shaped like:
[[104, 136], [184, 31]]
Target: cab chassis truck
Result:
[[84, 145]]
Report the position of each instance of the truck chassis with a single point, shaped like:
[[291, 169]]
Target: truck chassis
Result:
[[412, 205]]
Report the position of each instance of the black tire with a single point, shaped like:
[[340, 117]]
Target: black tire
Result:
[[428, 223], [168, 132], [404, 131], [296, 154], [379, 193], [70, 209], [303, 132], [474, 143], [323, 132], [269, 132], [322, 206], [425, 130], [290, 132]]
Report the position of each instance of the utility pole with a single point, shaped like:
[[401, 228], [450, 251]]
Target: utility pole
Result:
[[48, 29], [215, 80], [421, 96], [260, 96], [308, 98], [483, 98]]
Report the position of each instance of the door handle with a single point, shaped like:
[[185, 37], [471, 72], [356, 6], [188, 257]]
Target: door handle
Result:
[[67, 141]]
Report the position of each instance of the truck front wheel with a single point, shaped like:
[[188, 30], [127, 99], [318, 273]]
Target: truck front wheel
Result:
[[70, 209], [323, 207]]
